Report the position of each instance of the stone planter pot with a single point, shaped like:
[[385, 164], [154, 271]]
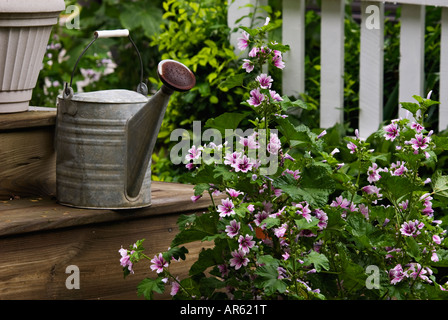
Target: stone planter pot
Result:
[[25, 27]]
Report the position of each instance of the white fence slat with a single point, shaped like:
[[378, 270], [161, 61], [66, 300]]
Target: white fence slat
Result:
[[412, 44], [443, 108], [371, 68], [440, 3], [237, 9], [332, 63], [293, 34]]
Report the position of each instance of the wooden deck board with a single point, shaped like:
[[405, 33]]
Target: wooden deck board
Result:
[[43, 213], [39, 239]]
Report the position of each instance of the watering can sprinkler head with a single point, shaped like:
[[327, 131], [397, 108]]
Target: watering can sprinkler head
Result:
[[175, 76]]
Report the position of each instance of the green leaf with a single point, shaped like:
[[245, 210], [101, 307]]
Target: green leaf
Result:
[[414, 248], [232, 81], [268, 280], [225, 121], [315, 187], [411, 107], [175, 253], [148, 286], [202, 226], [318, 260], [440, 184]]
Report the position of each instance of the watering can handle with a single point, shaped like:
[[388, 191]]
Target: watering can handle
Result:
[[141, 88]]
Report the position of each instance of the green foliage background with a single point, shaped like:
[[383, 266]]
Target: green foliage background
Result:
[[195, 32]]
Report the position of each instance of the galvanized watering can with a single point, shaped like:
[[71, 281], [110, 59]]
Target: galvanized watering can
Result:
[[105, 139]]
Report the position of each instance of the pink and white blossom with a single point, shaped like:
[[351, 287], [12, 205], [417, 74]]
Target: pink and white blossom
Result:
[[239, 260]]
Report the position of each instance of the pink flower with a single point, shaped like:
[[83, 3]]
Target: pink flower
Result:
[[259, 217], [249, 142], [248, 65], [280, 231], [125, 260], [372, 190], [340, 202], [364, 210], [411, 228], [373, 174], [392, 131], [233, 228], [195, 198], [396, 274], [223, 269], [274, 144], [419, 272], [434, 257], [397, 169], [295, 173], [245, 243], [231, 158], [277, 60], [256, 98], [243, 42], [174, 287], [275, 96], [194, 153], [304, 211], [243, 164], [264, 80], [322, 134], [352, 147], [253, 53], [418, 127], [233, 193], [419, 142], [238, 259], [158, 263], [226, 208], [323, 218], [436, 239]]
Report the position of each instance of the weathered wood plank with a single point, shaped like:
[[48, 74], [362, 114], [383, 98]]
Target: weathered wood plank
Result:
[[332, 63], [28, 162], [33, 266], [38, 214], [371, 68], [35, 117]]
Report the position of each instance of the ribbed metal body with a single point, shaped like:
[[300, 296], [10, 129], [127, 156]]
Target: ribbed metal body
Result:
[[92, 150]]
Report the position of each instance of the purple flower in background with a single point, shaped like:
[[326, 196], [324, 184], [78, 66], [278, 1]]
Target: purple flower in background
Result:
[[278, 60], [373, 174], [352, 147], [243, 42], [233, 228], [419, 142], [411, 228], [392, 131], [226, 208], [264, 80], [256, 98], [246, 243], [158, 263], [248, 65], [238, 259]]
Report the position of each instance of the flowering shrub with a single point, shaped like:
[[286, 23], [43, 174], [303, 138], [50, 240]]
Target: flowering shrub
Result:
[[315, 227]]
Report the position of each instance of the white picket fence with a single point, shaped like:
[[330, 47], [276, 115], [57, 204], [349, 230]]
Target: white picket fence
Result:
[[411, 68]]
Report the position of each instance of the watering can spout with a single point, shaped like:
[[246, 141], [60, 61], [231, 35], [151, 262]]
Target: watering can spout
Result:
[[144, 126]]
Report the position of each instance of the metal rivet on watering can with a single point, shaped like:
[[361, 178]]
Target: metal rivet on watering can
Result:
[[105, 139]]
